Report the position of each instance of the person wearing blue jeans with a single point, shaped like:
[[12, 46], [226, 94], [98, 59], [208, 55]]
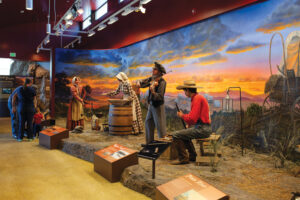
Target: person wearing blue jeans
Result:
[[13, 116], [25, 107]]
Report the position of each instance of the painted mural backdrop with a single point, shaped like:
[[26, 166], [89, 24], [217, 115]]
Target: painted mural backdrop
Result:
[[224, 51]]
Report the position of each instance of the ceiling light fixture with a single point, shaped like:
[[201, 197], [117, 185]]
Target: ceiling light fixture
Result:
[[58, 32], [47, 39], [112, 20], [91, 33], [29, 4], [48, 28], [69, 16], [101, 27], [80, 11], [142, 9], [127, 11], [145, 1], [69, 23]]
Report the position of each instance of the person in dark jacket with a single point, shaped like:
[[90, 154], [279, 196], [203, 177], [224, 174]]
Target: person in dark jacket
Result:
[[24, 102], [156, 110]]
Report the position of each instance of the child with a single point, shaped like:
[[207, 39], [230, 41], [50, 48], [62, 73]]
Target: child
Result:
[[38, 117]]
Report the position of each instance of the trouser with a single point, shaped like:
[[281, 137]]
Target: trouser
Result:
[[14, 122], [25, 114], [36, 129], [155, 118], [186, 135]]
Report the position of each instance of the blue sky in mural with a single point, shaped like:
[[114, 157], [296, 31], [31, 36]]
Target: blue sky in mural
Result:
[[230, 49]]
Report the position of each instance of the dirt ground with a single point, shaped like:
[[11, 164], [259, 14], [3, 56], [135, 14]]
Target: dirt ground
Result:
[[252, 176]]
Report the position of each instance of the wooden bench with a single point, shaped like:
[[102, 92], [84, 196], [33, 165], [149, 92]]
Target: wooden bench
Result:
[[207, 142]]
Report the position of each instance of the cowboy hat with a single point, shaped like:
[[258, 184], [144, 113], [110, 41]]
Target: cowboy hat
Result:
[[159, 67], [187, 84]]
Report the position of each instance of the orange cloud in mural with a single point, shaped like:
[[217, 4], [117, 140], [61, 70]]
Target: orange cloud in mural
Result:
[[135, 66], [109, 64], [243, 49], [277, 27]]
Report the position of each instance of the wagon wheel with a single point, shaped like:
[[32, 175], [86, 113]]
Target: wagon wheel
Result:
[[270, 105], [296, 107]]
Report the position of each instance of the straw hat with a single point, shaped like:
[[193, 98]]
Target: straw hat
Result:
[[187, 84]]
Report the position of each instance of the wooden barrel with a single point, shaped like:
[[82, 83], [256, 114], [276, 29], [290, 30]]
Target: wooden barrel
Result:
[[120, 119]]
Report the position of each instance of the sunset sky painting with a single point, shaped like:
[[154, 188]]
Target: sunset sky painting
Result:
[[227, 50]]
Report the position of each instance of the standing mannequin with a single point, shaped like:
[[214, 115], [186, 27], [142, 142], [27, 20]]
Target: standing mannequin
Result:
[[75, 112], [125, 87], [156, 110]]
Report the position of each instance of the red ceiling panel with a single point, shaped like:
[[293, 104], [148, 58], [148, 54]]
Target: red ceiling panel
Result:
[[22, 32]]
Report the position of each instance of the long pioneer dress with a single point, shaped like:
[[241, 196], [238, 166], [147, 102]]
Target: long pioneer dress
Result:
[[128, 93], [75, 112]]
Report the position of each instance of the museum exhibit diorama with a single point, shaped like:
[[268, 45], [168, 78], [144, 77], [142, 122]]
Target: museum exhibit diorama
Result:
[[175, 99]]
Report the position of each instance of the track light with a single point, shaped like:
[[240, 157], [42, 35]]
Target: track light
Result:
[[145, 1], [48, 28], [80, 11], [112, 20], [101, 27], [142, 9], [91, 33], [38, 50], [47, 40], [58, 32], [127, 11], [69, 16], [69, 23], [29, 4], [79, 41]]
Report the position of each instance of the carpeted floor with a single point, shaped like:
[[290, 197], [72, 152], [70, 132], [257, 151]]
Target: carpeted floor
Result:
[[28, 171]]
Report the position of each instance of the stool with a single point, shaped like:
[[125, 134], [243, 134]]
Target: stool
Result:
[[206, 142]]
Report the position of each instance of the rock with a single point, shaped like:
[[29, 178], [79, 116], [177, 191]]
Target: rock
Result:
[[140, 180]]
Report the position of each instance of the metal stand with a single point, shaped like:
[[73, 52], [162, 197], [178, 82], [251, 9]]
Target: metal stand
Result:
[[152, 152]]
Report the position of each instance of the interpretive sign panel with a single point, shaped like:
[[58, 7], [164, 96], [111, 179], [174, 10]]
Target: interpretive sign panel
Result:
[[188, 187], [112, 160], [51, 137]]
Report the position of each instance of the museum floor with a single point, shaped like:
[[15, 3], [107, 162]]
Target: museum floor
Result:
[[29, 171]]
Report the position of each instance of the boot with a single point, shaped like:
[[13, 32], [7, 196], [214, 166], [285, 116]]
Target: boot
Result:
[[182, 154], [191, 149]]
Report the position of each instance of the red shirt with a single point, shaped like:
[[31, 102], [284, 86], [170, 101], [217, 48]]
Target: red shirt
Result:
[[199, 111], [38, 118]]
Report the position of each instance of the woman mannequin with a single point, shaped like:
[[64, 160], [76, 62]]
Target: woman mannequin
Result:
[[125, 87], [75, 112]]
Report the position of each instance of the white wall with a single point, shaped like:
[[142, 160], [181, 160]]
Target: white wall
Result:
[[5, 64]]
